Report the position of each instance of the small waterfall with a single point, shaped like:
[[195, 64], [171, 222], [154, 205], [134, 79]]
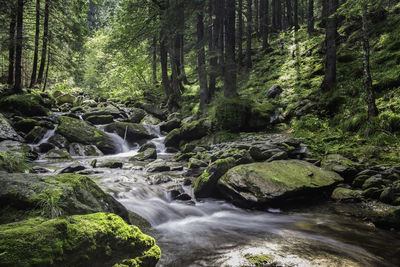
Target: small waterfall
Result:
[[47, 136], [121, 144], [275, 117], [159, 141]]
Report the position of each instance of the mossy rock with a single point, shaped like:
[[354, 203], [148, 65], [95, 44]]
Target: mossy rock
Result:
[[7, 132], [25, 125], [77, 131], [275, 183], [149, 153], [132, 131], [24, 105], [82, 240], [35, 135], [100, 119], [56, 154], [346, 195], [188, 132], [137, 115], [26, 195]]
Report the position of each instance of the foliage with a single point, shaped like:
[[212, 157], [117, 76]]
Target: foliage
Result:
[[13, 162]]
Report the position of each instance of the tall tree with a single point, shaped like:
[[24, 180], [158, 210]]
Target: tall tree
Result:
[[201, 56], [249, 33], [310, 25], [264, 7], [240, 33], [11, 44], [289, 13], [330, 40], [18, 49], [257, 18], [230, 65], [279, 14], [45, 41], [36, 51], [296, 14], [154, 58]]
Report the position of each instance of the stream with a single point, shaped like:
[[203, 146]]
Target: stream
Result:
[[215, 233]]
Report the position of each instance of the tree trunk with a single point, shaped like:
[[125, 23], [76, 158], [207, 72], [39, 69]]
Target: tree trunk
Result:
[[201, 59], [240, 33], [164, 64], [18, 49], [279, 15], [248, 34], [296, 14], [330, 61], [230, 65], [213, 43], [324, 13], [11, 45], [273, 11], [372, 109], [47, 71], [45, 41], [154, 59], [176, 85], [310, 26], [256, 20], [289, 13], [220, 14], [264, 22], [36, 52]]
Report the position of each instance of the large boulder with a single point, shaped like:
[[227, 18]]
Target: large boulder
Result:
[[15, 147], [24, 105], [188, 132], [77, 131], [97, 239], [100, 119], [132, 131], [274, 91], [25, 195], [36, 134], [7, 132], [149, 153], [345, 167], [137, 115], [66, 99], [273, 183]]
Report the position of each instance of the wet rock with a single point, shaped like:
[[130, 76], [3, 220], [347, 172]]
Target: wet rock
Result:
[[147, 146], [73, 168], [7, 132], [188, 132], [36, 135], [341, 165], [18, 148], [274, 91], [46, 147], [24, 125], [278, 156], [133, 132], [374, 181], [57, 154], [183, 156], [158, 165], [80, 150], [77, 131], [183, 197], [170, 125], [155, 111], [346, 195], [59, 141], [24, 105], [276, 182], [149, 153], [206, 184], [39, 169], [111, 165], [372, 192], [100, 119], [65, 99], [150, 120], [196, 163], [137, 115], [160, 179]]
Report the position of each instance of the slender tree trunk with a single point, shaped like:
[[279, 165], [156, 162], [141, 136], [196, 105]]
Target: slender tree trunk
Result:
[[296, 14], [310, 27], [230, 65], [174, 62], [164, 65], [265, 23], [372, 109], [289, 13], [330, 61], [18, 49], [213, 43], [220, 14], [279, 14], [273, 12], [154, 59], [47, 71], [201, 59], [248, 33], [240, 33], [45, 41], [11, 45], [256, 18], [324, 12], [36, 51]]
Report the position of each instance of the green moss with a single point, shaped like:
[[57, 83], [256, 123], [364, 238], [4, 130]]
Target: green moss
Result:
[[13, 162], [27, 105], [75, 241], [259, 260]]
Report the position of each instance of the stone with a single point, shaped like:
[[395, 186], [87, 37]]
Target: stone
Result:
[[36, 135], [46, 147], [170, 125], [196, 163], [132, 131], [183, 197], [147, 146], [160, 179], [24, 125], [158, 165], [90, 103], [7, 132], [57, 154], [78, 240], [73, 168], [77, 131], [59, 141], [341, 165], [374, 181], [346, 195], [111, 165], [24, 105], [372, 192], [274, 91], [149, 153], [136, 115], [79, 150], [100, 119], [188, 132], [277, 182], [18, 148], [65, 99]]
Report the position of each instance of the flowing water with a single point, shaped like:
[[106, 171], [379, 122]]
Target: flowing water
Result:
[[215, 233]]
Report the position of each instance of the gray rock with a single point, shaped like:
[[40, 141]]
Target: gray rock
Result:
[[7, 132], [149, 153], [158, 165], [274, 91]]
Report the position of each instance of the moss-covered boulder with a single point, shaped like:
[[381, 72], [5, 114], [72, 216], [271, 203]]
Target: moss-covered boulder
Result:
[[35, 135], [66, 99], [206, 184], [25, 125], [188, 132], [77, 131], [346, 195], [24, 105], [132, 131], [80, 150], [57, 154], [82, 240], [100, 119], [274, 183], [345, 167], [136, 115], [18, 148], [149, 153], [7, 132], [26, 195]]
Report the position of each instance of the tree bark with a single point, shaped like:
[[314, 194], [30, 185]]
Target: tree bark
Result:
[[230, 65], [310, 26], [264, 6], [213, 43], [289, 13], [11, 45], [164, 64], [249, 33], [330, 62], [18, 49], [256, 20], [324, 13], [372, 109], [45, 41], [296, 14], [47, 71], [154, 59], [36, 51], [240, 33], [279, 15], [201, 59]]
